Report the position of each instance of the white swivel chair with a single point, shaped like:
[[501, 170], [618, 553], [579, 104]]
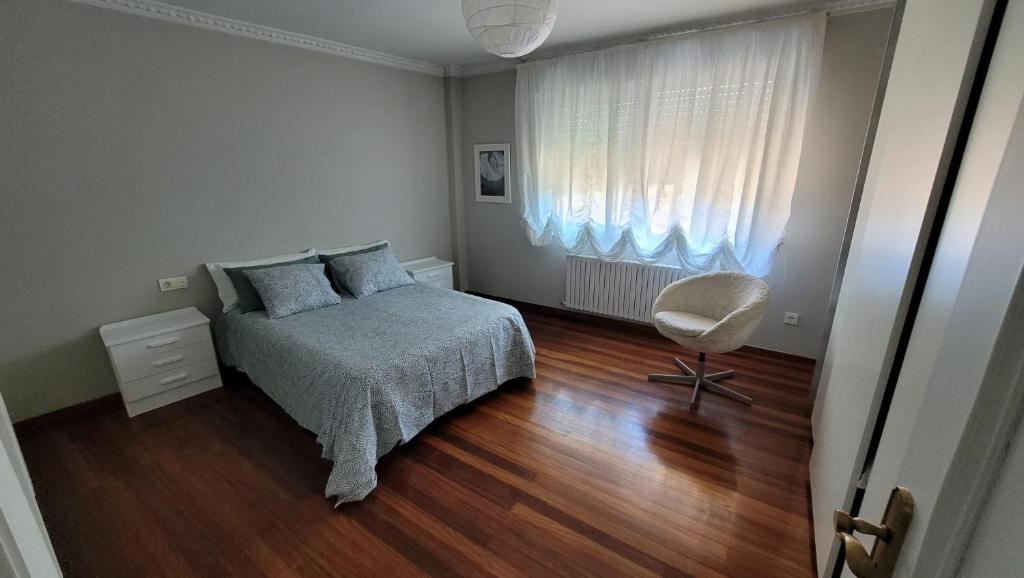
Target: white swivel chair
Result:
[[709, 313]]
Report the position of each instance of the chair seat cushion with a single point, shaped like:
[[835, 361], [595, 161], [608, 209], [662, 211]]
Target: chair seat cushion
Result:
[[686, 324]]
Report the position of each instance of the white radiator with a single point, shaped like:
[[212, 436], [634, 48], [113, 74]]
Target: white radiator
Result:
[[621, 289]]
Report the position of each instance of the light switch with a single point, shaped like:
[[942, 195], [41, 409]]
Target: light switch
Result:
[[173, 283]]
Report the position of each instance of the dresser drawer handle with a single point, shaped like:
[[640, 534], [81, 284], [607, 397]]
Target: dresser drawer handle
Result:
[[173, 378], [155, 344], [168, 361]]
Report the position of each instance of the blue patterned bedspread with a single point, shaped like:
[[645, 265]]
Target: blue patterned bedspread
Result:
[[369, 374]]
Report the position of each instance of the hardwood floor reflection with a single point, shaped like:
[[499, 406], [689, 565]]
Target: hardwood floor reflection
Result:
[[586, 470]]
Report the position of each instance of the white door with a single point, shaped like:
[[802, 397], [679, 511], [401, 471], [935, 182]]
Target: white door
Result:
[[947, 424], [939, 45]]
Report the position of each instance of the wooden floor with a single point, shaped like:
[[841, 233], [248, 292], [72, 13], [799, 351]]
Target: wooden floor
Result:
[[586, 470]]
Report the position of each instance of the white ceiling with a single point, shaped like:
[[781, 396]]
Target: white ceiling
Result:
[[433, 30]]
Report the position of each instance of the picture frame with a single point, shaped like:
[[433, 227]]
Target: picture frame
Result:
[[492, 170]]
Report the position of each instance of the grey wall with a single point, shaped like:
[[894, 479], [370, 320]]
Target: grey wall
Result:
[[132, 149], [502, 262]]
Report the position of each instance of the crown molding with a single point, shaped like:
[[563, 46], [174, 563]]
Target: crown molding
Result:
[[834, 8], [490, 67], [841, 7], [454, 70], [169, 13], [206, 21]]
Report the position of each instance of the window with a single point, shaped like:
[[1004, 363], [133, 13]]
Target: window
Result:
[[687, 146]]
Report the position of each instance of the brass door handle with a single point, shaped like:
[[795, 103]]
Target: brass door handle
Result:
[[846, 525], [890, 533]]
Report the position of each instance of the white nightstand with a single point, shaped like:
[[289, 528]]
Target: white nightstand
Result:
[[432, 271], [162, 358]]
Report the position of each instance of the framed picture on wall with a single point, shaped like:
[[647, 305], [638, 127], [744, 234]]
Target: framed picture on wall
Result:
[[493, 163]]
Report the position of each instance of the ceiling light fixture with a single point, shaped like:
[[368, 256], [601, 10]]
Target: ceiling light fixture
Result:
[[509, 28]]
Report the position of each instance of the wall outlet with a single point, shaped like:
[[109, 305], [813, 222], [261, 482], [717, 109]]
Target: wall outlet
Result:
[[791, 318], [173, 283]]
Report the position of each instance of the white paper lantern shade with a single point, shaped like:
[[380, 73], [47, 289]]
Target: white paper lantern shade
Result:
[[509, 28]]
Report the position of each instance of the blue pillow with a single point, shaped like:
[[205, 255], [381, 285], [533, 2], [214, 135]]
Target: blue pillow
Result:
[[248, 298], [291, 289], [326, 258], [366, 273]]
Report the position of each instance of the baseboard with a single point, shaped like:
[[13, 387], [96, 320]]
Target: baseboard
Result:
[[48, 420], [627, 325], [573, 314]]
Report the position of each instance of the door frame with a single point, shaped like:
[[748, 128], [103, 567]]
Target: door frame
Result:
[[858, 193], [25, 549]]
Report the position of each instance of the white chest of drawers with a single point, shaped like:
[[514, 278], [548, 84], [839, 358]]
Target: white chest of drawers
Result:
[[162, 358], [432, 271]]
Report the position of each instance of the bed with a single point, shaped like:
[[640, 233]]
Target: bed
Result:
[[370, 373]]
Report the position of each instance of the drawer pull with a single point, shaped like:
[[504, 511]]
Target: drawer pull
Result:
[[155, 344], [173, 378], [168, 361]]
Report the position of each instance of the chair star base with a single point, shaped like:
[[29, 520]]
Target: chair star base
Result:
[[699, 380]]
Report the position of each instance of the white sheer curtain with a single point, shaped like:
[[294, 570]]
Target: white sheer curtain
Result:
[[687, 145]]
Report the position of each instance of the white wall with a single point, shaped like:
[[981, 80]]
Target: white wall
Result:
[[133, 149], [502, 262]]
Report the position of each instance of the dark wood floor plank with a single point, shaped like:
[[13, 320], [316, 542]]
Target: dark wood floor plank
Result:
[[604, 483], [589, 469]]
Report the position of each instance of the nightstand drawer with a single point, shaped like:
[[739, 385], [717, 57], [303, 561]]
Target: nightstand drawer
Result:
[[432, 271], [437, 277], [168, 380], [160, 343], [137, 363], [444, 283]]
